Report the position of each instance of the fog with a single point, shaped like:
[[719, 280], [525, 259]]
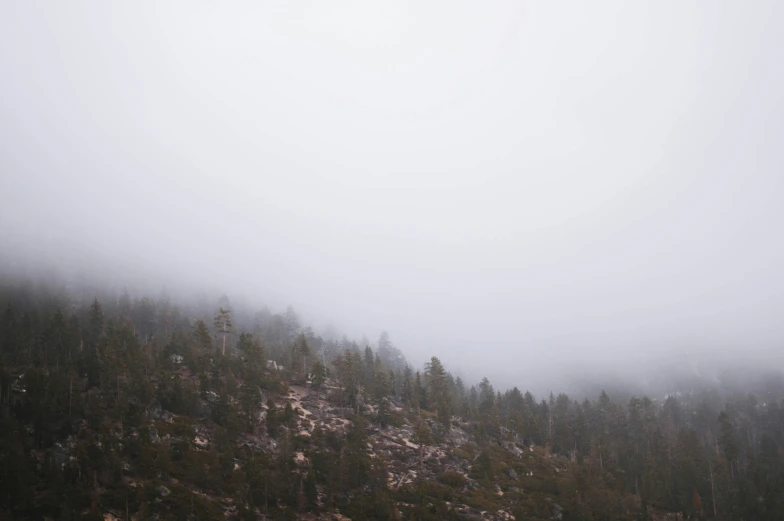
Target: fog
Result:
[[531, 191]]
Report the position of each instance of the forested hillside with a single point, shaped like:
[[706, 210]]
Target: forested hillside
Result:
[[135, 408]]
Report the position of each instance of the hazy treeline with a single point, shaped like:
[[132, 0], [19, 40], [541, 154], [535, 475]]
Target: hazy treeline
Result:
[[90, 366]]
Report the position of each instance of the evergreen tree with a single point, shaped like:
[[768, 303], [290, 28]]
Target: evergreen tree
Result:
[[203, 346], [299, 356], [250, 400], [291, 323], [438, 390], [407, 391], [224, 325], [368, 368], [96, 321], [319, 374], [423, 436], [728, 440], [255, 357], [420, 394]]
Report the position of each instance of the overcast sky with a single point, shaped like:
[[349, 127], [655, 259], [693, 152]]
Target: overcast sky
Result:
[[511, 186]]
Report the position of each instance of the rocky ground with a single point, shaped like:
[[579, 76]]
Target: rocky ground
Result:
[[522, 473]]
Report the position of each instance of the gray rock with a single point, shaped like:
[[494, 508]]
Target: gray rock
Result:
[[472, 484], [457, 436], [163, 491], [160, 414], [512, 474]]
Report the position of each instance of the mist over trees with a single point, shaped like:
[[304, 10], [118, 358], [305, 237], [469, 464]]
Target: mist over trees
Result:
[[76, 367], [337, 261]]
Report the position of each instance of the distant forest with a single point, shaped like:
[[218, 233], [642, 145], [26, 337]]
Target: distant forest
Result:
[[81, 376]]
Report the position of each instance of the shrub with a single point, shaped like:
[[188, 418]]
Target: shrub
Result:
[[453, 478]]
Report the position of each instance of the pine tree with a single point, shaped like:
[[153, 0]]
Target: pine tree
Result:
[[203, 347], [300, 351], [272, 419], [291, 323], [368, 368], [347, 370], [96, 320], [250, 399], [255, 356], [420, 394], [224, 325], [422, 436], [407, 390], [728, 440], [438, 391], [319, 374]]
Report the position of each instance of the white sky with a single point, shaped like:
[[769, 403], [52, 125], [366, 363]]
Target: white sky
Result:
[[502, 184]]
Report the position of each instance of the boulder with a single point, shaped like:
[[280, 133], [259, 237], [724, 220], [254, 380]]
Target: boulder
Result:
[[457, 436]]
